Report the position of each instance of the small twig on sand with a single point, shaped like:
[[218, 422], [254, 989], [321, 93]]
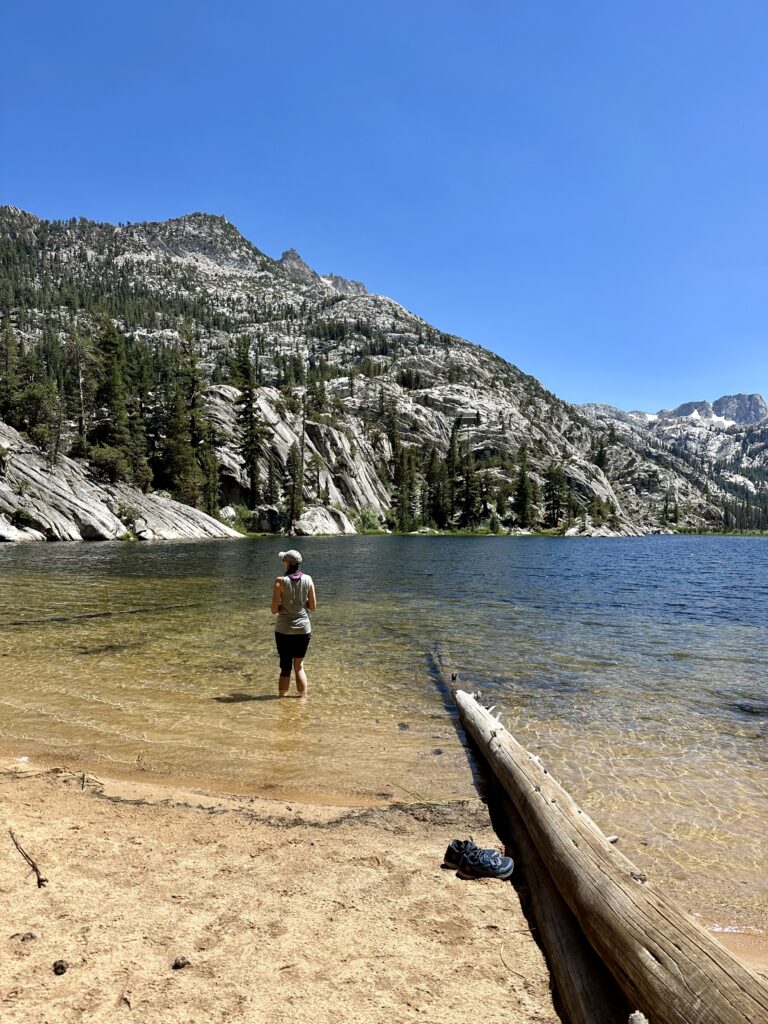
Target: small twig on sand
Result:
[[516, 973], [40, 880]]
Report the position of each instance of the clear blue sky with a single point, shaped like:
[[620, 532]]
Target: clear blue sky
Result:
[[579, 186]]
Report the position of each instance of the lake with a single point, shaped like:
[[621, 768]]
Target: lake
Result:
[[637, 669]]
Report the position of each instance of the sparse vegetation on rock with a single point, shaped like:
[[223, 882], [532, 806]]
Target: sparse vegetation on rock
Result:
[[176, 356]]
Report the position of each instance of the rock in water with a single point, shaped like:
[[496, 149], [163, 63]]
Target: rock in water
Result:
[[321, 520]]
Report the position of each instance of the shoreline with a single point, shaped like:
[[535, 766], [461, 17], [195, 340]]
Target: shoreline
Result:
[[747, 939], [37, 762], [599, 533], [136, 866], [284, 911]]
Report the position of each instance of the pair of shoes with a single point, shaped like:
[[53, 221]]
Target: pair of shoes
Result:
[[485, 864], [456, 850], [471, 861]]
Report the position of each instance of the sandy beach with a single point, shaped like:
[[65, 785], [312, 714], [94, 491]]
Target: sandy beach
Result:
[[285, 911]]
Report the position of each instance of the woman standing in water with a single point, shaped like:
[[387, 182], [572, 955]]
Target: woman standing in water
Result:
[[293, 595]]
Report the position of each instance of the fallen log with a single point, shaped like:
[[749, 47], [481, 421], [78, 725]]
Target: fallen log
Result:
[[584, 985], [669, 968]]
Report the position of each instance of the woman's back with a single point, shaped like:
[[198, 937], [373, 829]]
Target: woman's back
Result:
[[292, 615]]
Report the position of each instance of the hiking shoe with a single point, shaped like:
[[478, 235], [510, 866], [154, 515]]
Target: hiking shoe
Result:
[[478, 863], [456, 850]]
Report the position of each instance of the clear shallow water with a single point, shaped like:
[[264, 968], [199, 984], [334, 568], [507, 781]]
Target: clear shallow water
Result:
[[638, 669]]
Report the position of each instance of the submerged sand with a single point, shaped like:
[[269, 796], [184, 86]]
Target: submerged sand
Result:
[[285, 911]]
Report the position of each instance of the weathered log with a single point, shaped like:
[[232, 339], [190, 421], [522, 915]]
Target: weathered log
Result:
[[670, 968], [586, 988]]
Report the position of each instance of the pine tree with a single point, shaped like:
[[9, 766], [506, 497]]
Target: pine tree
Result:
[[193, 385], [393, 433], [405, 496], [254, 434], [316, 397], [137, 451], [201, 432], [315, 465], [181, 471], [523, 492], [144, 414], [82, 363], [452, 466], [437, 502], [239, 366], [600, 453], [111, 429], [209, 470], [555, 494], [470, 506], [272, 491], [9, 354], [293, 486], [598, 510], [35, 407]]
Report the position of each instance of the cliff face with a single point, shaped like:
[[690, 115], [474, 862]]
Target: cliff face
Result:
[[729, 410], [354, 380], [65, 502]]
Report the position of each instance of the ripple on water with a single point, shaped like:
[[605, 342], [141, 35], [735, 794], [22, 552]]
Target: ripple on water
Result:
[[637, 668]]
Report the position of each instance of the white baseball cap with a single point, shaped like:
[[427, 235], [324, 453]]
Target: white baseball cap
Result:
[[291, 556]]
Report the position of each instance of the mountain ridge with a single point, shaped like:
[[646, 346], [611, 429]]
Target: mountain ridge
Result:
[[395, 421], [741, 408]]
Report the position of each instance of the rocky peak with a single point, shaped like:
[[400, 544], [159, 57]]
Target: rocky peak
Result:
[[344, 286], [198, 235], [15, 223], [297, 269], [14, 213], [703, 410], [741, 408], [302, 273]]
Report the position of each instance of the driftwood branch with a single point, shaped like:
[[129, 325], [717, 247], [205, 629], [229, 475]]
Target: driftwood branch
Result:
[[38, 873]]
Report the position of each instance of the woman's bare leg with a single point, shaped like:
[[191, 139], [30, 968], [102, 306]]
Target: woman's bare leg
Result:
[[301, 676], [283, 683]]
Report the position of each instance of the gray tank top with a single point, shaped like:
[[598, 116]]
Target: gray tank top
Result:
[[292, 616]]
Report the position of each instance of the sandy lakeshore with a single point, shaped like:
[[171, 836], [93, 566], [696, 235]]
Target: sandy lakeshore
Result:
[[285, 911]]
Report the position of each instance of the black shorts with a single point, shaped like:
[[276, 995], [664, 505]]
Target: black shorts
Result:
[[290, 646]]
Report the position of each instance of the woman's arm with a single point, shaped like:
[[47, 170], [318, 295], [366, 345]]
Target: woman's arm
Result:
[[311, 597], [277, 595]]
